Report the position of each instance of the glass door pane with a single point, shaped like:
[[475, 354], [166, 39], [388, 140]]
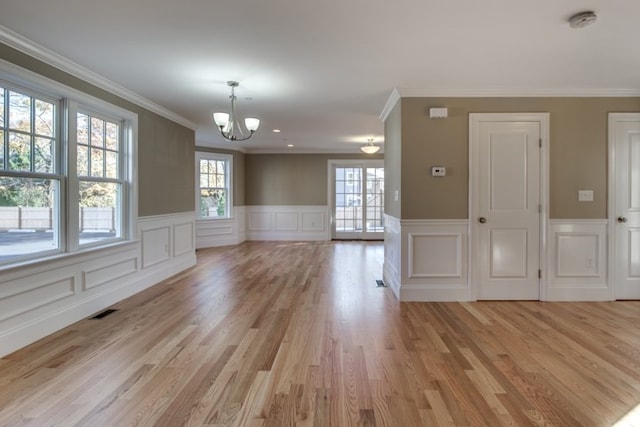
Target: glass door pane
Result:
[[348, 200], [374, 195]]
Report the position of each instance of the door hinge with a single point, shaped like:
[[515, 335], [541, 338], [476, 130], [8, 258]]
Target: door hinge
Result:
[[539, 274], [539, 208], [540, 142]]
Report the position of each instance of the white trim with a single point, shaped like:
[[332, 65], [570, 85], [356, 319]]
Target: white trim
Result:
[[29, 47], [393, 99], [543, 119]]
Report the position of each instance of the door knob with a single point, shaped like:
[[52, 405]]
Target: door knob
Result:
[[622, 219], [482, 220]]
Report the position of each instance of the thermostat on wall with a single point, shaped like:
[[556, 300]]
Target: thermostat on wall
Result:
[[438, 171]]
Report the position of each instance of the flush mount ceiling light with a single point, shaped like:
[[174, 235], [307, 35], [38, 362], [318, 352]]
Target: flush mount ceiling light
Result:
[[228, 123], [582, 19], [369, 148]]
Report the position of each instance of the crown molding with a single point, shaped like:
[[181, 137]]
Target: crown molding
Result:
[[516, 93], [41, 53]]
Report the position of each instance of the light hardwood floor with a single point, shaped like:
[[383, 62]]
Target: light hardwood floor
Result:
[[281, 334]]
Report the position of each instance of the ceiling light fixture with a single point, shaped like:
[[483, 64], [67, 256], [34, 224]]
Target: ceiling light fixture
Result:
[[369, 148], [228, 124], [582, 19]]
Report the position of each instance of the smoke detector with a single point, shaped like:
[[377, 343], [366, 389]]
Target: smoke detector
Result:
[[582, 19]]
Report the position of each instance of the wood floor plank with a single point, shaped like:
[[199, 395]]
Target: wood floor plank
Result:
[[298, 334]]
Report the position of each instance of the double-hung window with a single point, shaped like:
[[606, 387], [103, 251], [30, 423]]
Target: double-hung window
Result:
[[65, 170], [100, 181], [213, 192]]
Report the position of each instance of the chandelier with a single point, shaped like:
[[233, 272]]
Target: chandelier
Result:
[[369, 148], [228, 123]]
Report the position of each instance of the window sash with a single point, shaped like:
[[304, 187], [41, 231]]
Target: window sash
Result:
[[211, 178]]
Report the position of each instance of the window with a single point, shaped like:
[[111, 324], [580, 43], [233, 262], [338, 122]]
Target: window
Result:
[[214, 194], [65, 174], [30, 180], [99, 179]]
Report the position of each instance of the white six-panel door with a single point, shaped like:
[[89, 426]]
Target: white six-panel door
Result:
[[624, 207], [506, 204]]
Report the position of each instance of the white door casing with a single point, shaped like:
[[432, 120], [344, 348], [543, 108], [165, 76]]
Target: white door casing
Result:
[[507, 206], [624, 204]]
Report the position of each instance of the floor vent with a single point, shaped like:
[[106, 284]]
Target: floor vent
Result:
[[104, 314], [380, 284]]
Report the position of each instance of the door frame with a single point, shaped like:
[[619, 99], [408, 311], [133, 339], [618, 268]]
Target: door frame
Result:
[[473, 261], [331, 188], [612, 119]]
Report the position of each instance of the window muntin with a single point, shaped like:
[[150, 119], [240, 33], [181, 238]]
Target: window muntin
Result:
[[214, 185], [30, 182]]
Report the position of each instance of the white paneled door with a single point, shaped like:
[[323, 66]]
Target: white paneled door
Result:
[[506, 205], [624, 209]]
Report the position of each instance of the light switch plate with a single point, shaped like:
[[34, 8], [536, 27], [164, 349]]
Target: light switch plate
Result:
[[438, 171], [585, 195]]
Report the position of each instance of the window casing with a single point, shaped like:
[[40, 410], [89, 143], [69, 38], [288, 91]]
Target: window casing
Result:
[[43, 191], [214, 193]]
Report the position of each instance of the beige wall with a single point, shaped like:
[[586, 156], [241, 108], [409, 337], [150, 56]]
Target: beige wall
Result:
[[165, 149], [290, 179], [238, 172], [578, 152]]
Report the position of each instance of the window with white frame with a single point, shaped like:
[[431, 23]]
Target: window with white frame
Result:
[[64, 170], [100, 181], [213, 192]]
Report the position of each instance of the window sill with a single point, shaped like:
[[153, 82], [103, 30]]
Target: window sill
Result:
[[65, 258]]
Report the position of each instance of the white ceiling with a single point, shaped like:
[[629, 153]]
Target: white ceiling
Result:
[[322, 71]]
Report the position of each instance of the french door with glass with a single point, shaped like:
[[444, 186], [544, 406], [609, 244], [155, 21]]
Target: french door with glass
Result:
[[357, 199]]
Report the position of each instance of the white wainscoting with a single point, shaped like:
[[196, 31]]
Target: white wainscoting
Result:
[[577, 261], [287, 223], [41, 298], [392, 253], [427, 259], [221, 232]]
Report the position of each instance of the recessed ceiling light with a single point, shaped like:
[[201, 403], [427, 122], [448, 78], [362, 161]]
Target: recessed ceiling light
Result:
[[582, 19], [289, 145], [276, 130]]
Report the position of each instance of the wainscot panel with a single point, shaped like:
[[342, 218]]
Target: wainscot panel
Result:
[[287, 223], [577, 261], [426, 260], [221, 231], [41, 298]]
